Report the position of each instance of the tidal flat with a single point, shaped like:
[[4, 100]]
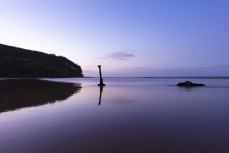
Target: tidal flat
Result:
[[128, 115]]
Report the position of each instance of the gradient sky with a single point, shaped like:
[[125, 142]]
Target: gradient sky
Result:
[[127, 37]]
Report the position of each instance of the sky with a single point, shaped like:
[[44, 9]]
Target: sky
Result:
[[138, 38]]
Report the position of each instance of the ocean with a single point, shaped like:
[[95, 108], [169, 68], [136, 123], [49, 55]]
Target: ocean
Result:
[[128, 115]]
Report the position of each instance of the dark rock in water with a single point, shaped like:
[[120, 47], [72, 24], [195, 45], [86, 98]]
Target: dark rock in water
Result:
[[189, 84]]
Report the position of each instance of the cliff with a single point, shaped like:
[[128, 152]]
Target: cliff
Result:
[[17, 62]]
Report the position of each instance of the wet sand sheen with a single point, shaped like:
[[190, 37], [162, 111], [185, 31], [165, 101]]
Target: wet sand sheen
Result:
[[128, 119]]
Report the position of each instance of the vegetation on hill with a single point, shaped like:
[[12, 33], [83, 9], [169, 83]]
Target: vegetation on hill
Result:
[[18, 62]]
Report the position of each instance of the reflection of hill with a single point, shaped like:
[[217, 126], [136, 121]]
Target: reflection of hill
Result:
[[19, 93]]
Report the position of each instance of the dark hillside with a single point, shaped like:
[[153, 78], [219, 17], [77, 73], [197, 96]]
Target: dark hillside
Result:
[[18, 62]]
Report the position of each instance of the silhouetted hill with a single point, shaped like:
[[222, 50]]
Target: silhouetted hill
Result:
[[18, 62]]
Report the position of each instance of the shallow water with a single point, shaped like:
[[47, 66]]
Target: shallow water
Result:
[[128, 115]]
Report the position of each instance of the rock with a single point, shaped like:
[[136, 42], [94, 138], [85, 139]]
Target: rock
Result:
[[189, 84]]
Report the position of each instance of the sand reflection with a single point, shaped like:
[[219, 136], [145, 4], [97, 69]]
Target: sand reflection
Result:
[[20, 93]]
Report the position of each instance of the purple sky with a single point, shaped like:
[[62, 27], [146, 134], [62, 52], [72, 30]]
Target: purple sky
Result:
[[127, 37]]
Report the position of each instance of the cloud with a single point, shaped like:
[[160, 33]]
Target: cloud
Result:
[[122, 55], [211, 67], [90, 73]]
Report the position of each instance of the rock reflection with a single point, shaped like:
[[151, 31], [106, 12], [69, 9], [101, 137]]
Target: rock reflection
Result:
[[20, 93]]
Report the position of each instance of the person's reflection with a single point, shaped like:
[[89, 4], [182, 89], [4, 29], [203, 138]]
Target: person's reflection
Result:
[[100, 94]]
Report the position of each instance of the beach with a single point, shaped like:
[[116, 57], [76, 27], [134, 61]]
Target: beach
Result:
[[128, 115]]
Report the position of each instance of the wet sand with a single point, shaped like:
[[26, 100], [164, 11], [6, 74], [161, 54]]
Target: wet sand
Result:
[[131, 117]]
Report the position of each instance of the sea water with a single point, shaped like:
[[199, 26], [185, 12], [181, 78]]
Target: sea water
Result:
[[128, 115]]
